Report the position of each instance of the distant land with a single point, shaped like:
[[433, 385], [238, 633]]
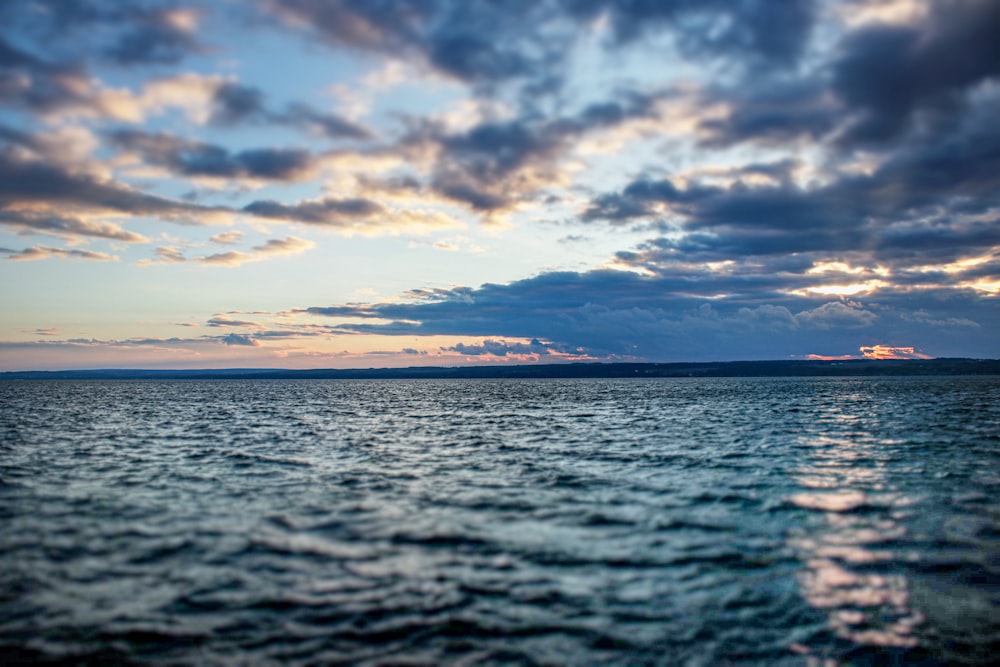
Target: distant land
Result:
[[785, 368]]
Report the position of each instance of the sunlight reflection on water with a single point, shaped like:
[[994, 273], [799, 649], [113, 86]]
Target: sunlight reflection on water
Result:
[[860, 530]]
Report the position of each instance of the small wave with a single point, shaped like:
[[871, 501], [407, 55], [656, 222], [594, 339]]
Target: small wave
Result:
[[442, 540], [250, 459], [684, 524], [598, 519]]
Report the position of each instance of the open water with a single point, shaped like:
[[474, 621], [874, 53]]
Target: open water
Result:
[[578, 522]]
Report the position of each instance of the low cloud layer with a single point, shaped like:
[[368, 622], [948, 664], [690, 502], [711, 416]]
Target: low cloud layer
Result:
[[624, 315]]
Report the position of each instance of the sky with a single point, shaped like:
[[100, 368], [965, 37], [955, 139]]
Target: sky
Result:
[[373, 183]]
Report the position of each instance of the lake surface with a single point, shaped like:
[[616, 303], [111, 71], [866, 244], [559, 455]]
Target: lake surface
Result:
[[701, 522]]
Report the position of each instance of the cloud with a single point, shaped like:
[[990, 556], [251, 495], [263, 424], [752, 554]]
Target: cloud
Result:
[[59, 93], [487, 45], [223, 320], [883, 84], [26, 182], [922, 201], [185, 346], [320, 123], [33, 82], [495, 166], [888, 74], [227, 238], [758, 30], [500, 348], [46, 252], [290, 245], [63, 88], [487, 167], [30, 222], [330, 211], [837, 315], [168, 255], [240, 340], [349, 215], [775, 114], [286, 246], [480, 43], [67, 91], [159, 36], [923, 317], [890, 352], [130, 33], [235, 103], [184, 157], [624, 315]]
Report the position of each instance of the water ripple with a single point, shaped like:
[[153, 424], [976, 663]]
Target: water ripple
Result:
[[696, 522]]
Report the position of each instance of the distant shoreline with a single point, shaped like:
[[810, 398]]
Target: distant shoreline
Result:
[[784, 368]]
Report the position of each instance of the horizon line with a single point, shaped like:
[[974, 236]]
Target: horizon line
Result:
[[520, 368]]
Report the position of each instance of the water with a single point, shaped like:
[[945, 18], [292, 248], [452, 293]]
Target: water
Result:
[[710, 521]]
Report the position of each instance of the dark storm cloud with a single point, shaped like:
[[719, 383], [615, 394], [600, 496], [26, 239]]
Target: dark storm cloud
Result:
[[237, 103], [138, 32], [882, 83], [536, 307], [23, 180], [772, 114], [333, 212], [326, 124], [153, 38], [13, 137], [487, 43], [500, 348], [483, 42], [626, 315], [888, 74], [36, 83], [494, 165], [192, 158], [12, 56], [774, 32], [273, 163], [919, 200], [243, 340], [234, 103], [474, 167]]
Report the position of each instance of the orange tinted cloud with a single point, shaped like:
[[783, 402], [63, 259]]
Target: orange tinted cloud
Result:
[[889, 352]]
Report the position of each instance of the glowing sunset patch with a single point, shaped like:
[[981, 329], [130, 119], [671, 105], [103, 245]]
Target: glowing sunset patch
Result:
[[847, 290], [989, 286], [829, 357], [833, 267], [957, 266], [889, 352]]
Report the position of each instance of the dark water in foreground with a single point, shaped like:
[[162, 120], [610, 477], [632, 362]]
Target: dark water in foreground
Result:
[[757, 521]]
